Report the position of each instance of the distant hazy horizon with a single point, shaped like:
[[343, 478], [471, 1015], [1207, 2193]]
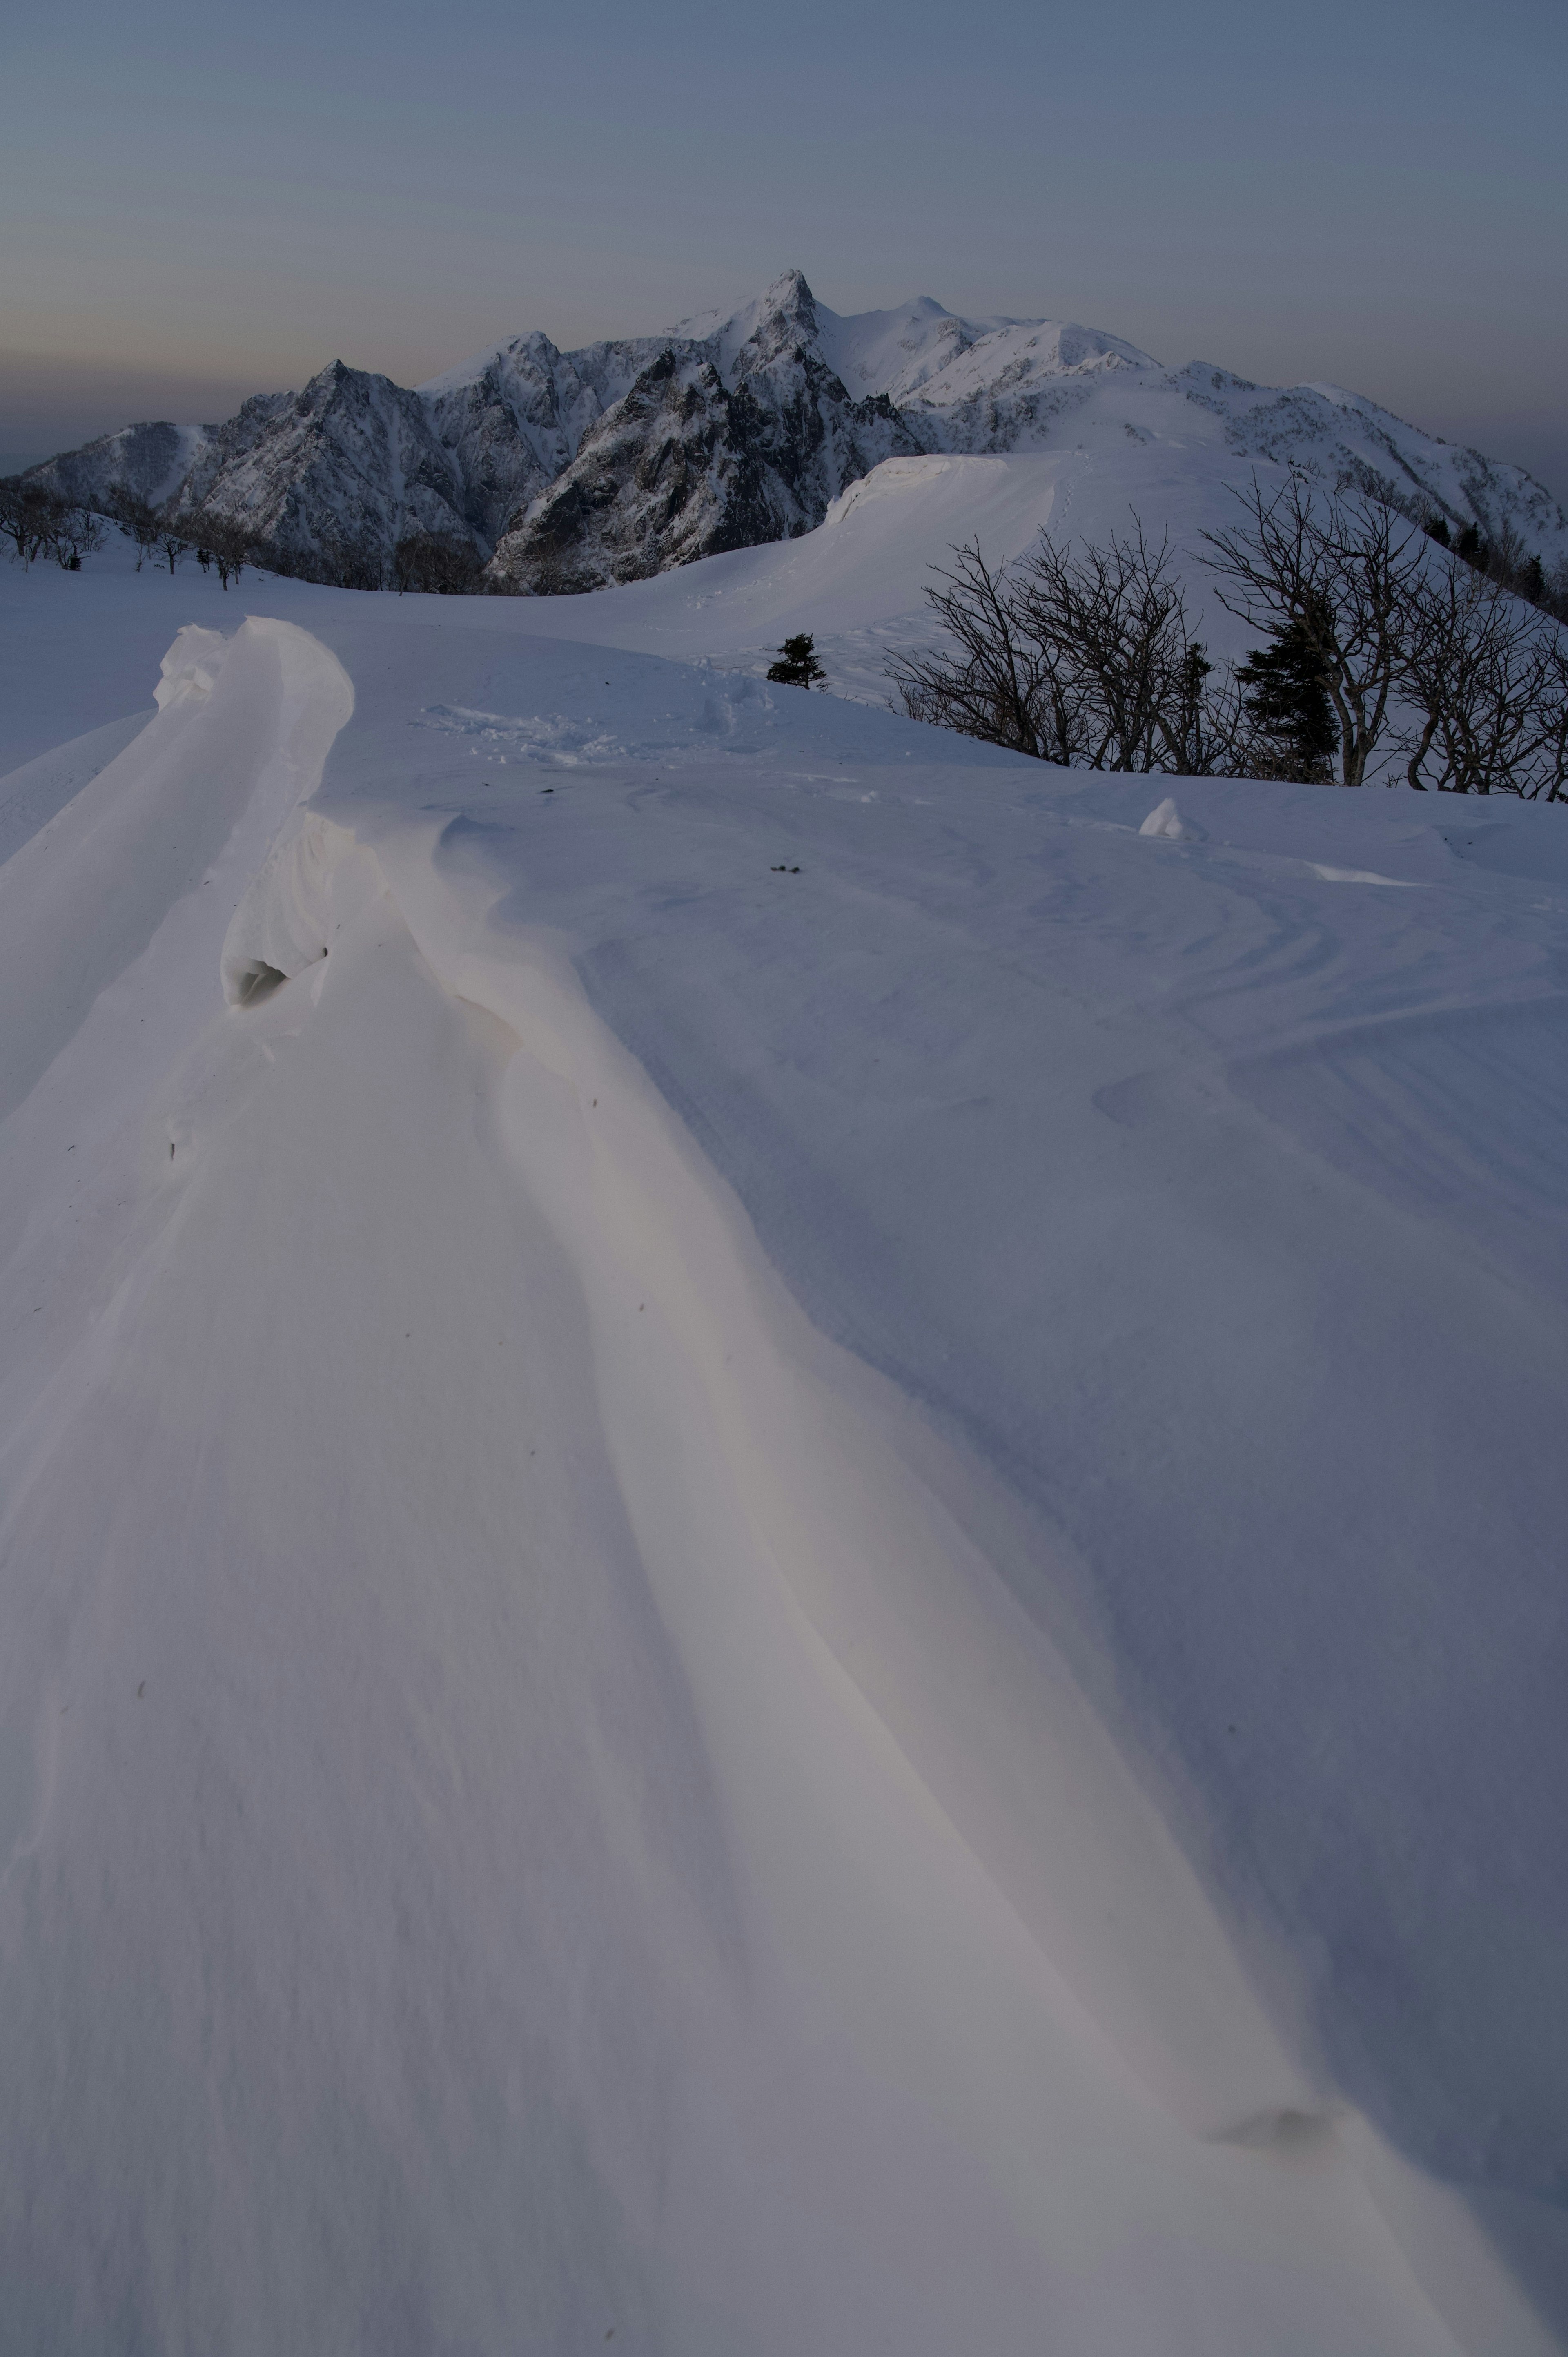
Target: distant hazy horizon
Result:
[[203, 203]]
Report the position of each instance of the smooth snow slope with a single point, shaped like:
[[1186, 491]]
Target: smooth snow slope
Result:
[[770, 1611], [856, 583]]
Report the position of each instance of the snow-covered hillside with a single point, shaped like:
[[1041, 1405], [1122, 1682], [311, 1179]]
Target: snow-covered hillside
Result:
[[782, 1521], [569, 470]]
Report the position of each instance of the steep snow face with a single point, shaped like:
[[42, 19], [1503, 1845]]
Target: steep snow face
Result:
[[892, 352], [784, 315], [923, 356], [895, 351], [996, 392], [514, 450], [151, 462], [1330, 431]]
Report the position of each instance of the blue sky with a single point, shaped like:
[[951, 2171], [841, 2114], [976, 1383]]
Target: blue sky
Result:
[[207, 202]]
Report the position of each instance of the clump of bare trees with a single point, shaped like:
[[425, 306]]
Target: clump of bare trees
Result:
[[142, 526], [160, 538], [220, 543], [1339, 575], [1387, 661], [1086, 659], [1435, 668], [1486, 687], [438, 564], [40, 523], [155, 536]]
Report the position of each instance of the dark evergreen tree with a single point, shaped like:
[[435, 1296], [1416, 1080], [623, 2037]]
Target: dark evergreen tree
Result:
[[1287, 702], [797, 665]]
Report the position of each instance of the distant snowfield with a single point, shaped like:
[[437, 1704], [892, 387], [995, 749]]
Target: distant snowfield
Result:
[[782, 1521]]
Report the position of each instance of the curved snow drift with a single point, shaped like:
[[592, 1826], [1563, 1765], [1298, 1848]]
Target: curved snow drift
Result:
[[535, 1761]]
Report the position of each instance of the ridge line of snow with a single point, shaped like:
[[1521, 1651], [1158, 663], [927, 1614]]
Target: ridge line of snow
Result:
[[295, 695], [884, 1540], [861, 1508]]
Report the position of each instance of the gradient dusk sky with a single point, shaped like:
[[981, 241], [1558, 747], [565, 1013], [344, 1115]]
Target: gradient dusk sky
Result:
[[207, 202]]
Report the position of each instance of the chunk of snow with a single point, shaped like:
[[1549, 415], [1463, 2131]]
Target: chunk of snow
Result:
[[190, 668], [1358, 875], [1166, 821]]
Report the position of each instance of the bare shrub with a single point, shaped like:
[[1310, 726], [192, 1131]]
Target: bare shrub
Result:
[[1485, 680], [220, 540], [1085, 657], [77, 532], [438, 564], [140, 522], [1402, 656], [996, 683], [40, 523], [1551, 759], [1115, 621], [1339, 571]]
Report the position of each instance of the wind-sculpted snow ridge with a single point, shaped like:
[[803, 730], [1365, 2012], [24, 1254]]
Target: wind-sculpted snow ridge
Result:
[[571, 471], [780, 1556]]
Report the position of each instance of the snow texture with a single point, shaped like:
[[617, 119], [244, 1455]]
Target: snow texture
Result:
[[781, 1562]]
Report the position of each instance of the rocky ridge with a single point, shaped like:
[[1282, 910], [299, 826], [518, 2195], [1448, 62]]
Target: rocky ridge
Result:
[[570, 471]]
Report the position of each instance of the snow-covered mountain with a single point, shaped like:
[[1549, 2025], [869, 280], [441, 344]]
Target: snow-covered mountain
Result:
[[569, 470], [729, 438]]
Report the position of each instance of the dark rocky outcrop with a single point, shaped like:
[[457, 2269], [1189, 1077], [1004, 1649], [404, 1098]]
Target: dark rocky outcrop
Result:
[[686, 466]]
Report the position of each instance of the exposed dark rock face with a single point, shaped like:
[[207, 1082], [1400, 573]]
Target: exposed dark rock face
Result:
[[647, 482], [684, 465], [513, 421]]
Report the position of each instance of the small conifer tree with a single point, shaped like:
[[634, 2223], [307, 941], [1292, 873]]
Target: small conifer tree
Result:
[[1287, 703], [797, 665]]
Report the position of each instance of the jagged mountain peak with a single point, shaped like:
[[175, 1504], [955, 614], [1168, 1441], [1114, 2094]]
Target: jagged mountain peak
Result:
[[909, 352], [339, 381], [621, 458], [514, 352], [787, 303]]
